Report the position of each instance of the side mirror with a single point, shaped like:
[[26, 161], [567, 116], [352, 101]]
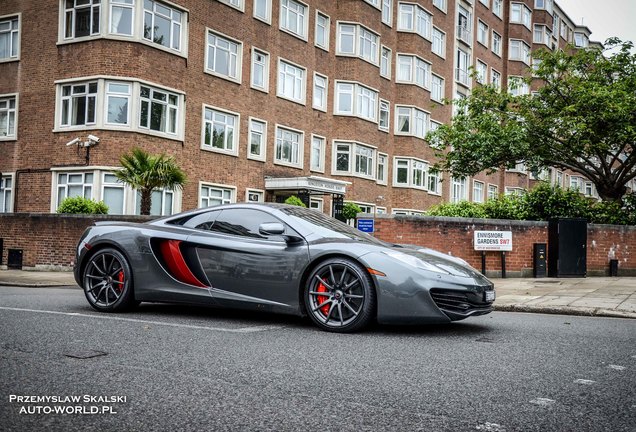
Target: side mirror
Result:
[[271, 228]]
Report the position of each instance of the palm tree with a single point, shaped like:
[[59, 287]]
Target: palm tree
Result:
[[146, 173]]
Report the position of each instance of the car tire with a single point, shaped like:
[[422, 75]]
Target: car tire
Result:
[[349, 299], [107, 282]]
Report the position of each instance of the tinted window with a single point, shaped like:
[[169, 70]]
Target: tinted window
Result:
[[242, 222], [200, 221]]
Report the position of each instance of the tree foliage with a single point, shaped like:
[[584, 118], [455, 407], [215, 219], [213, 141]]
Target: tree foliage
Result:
[[583, 119], [146, 173], [295, 201], [81, 205], [350, 210]]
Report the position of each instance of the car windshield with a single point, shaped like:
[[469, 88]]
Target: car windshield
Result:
[[326, 226]]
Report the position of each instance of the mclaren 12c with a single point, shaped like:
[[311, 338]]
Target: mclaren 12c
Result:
[[278, 258]]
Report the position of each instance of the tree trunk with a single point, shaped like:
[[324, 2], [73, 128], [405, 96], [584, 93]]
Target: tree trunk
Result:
[[612, 193], [146, 201]]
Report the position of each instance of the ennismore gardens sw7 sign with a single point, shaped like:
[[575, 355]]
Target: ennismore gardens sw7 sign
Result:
[[493, 241]]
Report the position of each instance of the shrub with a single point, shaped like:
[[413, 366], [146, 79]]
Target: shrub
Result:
[[350, 210], [505, 207], [295, 201], [81, 205], [465, 209], [544, 202]]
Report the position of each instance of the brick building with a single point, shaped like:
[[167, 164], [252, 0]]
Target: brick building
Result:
[[256, 99]]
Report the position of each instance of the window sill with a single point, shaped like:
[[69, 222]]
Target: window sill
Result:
[[211, 149], [288, 164], [225, 77]]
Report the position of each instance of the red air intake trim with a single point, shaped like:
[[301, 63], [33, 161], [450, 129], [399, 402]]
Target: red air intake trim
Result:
[[176, 264]]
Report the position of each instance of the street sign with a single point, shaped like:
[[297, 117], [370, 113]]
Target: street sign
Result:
[[366, 225], [493, 241]]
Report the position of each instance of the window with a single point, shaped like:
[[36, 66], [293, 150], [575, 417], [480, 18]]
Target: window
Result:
[[356, 40], [411, 121], [520, 14], [322, 31], [439, 42], [382, 169], [589, 189], [434, 182], [6, 194], [293, 18], [8, 114], [353, 158], [383, 123], [463, 62], [113, 194], [215, 195], [223, 57], [159, 110], [162, 24], [220, 130], [317, 158], [289, 147], [117, 103], [410, 172], [254, 195], [576, 183], [440, 4], [260, 70], [121, 17], [74, 184], [257, 144], [496, 43], [9, 38], [485, 2], [493, 191], [412, 18], [81, 18], [495, 78], [517, 86], [482, 33], [478, 191], [320, 92], [291, 82], [581, 40], [413, 70], [433, 127], [437, 88], [541, 35], [543, 4], [564, 31], [555, 26], [238, 4], [497, 7], [316, 204], [357, 100], [263, 10], [387, 12], [161, 202], [458, 190], [385, 62], [464, 26], [482, 72], [519, 51], [79, 104]]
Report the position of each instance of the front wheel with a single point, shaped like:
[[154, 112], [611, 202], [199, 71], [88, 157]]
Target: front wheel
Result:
[[339, 296], [107, 282]]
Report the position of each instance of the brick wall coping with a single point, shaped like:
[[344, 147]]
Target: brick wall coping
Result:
[[128, 218]]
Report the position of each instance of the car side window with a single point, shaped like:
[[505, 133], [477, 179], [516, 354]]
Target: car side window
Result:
[[202, 221], [242, 222]]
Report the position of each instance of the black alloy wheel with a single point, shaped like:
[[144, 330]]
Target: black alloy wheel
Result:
[[339, 296], [108, 282]]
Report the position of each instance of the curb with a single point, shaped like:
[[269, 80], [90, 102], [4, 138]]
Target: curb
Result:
[[589, 312], [36, 285]]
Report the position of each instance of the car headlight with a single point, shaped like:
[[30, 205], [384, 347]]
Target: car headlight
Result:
[[414, 262]]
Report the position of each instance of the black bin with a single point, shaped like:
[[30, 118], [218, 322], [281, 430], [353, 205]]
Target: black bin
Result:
[[539, 268], [613, 270]]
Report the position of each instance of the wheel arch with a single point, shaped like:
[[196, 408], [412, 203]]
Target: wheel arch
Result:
[[105, 244]]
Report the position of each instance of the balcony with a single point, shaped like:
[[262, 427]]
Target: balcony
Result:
[[464, 34], [462, 77]]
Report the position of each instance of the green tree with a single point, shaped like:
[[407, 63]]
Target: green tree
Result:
[[350, 210], [146, 173], [295, 201], [582, 119]]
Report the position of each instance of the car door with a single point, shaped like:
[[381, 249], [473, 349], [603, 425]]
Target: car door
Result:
[[245, 267]]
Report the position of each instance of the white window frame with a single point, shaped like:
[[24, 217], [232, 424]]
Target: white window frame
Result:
[[358, 91], [233, 151], [320, 166], [481, 198], [522, 48], [496, 82], [359, 35], [10, 112], [217, 187], [173, 24], [416, 116], [164, 192], [120, 95], [265, 65], [437, 88], [497, 8], [385, 62], [496, 43], [440, 4], [436, 187], [267, 19], [114, 185], [353, 148], [413, 165], [262, 156], [438, 42], [481, 69], [14, 36], [327, 31], [417, 64], [387, 12], [493, 191], [286, 12], [259, 193], [325, 95], [179, 106], [238, 56], [385, 171], [525, 14], [459, 184], [280, 92], [386, 104], [317, 204], [298, 151], [485, 3], [416, 16], [7, 195], [483, 33], [236, 4]]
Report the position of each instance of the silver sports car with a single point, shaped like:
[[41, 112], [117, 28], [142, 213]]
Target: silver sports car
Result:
[[279, 258]]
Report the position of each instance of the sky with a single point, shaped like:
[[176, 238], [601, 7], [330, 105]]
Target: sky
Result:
[[606, 18]]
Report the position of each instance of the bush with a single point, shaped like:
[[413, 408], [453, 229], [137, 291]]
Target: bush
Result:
[[544, 202], [295, 201], [505, 207], [81, 205], [350, 210], [465, 209], [615, 213]]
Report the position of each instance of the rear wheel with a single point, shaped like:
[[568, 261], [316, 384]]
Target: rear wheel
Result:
[[339, 296], [108, 282]]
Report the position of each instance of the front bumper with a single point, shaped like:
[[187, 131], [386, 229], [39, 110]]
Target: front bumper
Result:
[[458, 305]]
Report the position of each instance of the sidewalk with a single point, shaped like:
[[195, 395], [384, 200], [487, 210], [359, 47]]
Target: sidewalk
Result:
[[594, 296]]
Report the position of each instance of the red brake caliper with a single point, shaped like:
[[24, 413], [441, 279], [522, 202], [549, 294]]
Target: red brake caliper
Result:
[[120, 278], [322, 299]]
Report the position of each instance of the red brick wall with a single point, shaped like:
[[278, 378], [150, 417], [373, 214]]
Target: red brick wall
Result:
[[455, 236]]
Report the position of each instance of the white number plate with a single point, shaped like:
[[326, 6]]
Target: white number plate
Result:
[[490, 295]]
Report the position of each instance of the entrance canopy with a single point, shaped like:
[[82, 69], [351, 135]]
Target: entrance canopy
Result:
[[311, 185]]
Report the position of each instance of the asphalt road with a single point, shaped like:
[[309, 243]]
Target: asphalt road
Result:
[[184, 368]]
